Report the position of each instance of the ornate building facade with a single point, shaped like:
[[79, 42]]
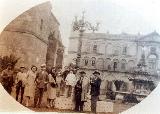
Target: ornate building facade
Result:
[[118, 56]]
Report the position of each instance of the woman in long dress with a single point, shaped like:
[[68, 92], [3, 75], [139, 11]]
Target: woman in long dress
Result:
[[51, 90], [30, 84]]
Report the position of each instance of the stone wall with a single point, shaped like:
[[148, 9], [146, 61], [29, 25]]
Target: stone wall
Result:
[[30, 50], [27, 37]]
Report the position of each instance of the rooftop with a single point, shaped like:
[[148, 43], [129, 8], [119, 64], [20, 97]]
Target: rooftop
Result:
[[122, 36]]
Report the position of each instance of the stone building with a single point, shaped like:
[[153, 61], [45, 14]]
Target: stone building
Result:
[[119, 57], [34, 36]]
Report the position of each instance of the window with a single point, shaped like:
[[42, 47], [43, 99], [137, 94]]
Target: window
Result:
[[109, 67], [116, 50], [109, 49], [95, 48], [41, 25], [130, 65], [85, 62], [152, 50], [88, 48], [124, 50], [115, 66], [108, 64], [100, 63], [152, 61], [123, 65], [93, 61]]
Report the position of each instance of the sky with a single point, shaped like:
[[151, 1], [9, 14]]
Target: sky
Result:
[[114, 16]]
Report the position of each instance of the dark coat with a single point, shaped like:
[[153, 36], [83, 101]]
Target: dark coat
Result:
[[78, 88], [95, 87], [7, 78], [41, 79]]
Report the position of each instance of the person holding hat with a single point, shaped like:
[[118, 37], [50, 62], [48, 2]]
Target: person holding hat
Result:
[[20, 82], [41, 84], [81, 90], [95, 83], [7, 78]]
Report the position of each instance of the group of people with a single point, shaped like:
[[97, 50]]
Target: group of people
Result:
[[33, 83]]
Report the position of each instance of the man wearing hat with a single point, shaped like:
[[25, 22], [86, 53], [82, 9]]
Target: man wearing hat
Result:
[[41, 84], [20, 82], [81, 90], [7, 78], [95, 83]]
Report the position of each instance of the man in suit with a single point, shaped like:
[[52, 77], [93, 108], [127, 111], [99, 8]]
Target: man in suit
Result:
[[41, 84], [95, 83], [81, 89]]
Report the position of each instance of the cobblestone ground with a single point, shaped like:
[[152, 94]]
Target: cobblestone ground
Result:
[[61, 111], [118, 106]]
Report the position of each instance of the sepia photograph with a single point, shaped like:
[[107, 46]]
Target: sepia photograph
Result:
[[79, 56]]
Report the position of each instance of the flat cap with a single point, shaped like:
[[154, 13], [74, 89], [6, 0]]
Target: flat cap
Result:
[[43, 65], [82, 72], [96, 72]]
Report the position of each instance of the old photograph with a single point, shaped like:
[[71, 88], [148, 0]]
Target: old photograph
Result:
[[99, 58]]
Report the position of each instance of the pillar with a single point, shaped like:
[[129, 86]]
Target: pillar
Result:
[[51, 51], [59, 59]]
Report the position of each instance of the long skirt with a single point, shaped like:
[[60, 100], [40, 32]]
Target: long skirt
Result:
[[51, 92], [29, 91]]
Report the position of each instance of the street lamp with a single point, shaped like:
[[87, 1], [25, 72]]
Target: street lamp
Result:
[[81, 25]]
